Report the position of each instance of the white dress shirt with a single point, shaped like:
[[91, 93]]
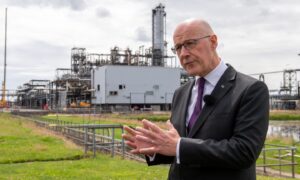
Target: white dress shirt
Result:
[[211, 79]]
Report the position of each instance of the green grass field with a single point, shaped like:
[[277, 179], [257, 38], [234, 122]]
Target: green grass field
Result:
[[19, 144], [27, 152], [284, 115], [273, 154], [150, 117], [274, 115], [30, 154], [102, 167]]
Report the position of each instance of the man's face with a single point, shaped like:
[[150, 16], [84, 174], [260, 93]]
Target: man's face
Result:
[[197, 57]]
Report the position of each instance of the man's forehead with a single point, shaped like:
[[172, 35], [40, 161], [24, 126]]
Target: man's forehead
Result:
[[182, 34], [187, 29]]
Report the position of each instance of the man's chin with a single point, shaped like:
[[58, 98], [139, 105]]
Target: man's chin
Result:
[[192, 72]]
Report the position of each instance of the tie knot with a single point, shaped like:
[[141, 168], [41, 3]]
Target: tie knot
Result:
[[201, 82]]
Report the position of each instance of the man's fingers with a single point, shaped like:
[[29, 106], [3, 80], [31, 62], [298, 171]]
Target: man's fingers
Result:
[[128, 137], [145, 132], [145, 139], [152, 126], [129, 130], [170, 125], [145, 125], [130, 144], [149, 150], [135, 151]]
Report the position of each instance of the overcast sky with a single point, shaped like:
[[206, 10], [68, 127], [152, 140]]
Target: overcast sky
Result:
[[254, 35]]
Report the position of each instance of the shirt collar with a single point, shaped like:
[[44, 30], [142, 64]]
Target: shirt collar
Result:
[[213, 76]]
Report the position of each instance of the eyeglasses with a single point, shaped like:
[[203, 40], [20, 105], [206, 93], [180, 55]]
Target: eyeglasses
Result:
[[188, 44]]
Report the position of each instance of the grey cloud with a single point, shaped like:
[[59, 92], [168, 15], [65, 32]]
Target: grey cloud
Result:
[[265, 12], [35, 60], [141, 34], [75, 5], [102, 12], [38, 53], [249, 2]]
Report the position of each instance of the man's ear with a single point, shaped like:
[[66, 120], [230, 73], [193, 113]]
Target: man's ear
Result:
[[214, 41]]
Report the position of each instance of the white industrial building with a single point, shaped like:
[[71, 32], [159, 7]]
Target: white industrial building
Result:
[[134, 86]]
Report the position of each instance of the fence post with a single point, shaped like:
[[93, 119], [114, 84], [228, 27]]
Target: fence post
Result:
[[123, 145], [113, 142], [264, 159], [85, 141], [279, 158], [293, 162], [94, 141]]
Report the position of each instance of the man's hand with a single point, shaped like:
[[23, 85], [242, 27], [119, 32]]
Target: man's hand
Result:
[[131, 141], [163, 141]]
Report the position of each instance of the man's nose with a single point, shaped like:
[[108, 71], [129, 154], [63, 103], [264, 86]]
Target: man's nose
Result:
[[184, 52]]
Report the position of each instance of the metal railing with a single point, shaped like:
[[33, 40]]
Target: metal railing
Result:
[[277, 160], [93, 137], [98, 141]]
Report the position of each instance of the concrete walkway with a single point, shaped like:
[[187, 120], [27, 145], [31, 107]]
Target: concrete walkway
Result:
[[275, 173]]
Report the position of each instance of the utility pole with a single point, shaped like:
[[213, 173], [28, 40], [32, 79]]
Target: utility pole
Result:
[[4, 77]]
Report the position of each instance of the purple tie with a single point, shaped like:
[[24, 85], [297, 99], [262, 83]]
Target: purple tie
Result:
[[198, 106]]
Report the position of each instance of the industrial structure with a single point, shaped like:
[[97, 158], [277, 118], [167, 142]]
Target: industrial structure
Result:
[[159, 44], [288, 95], [122, 78], [34, 94], [135, 87], [125, 79]]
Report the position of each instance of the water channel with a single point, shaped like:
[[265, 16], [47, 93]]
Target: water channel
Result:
[[285, 129]]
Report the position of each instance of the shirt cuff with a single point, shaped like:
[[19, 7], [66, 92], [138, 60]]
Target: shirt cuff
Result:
[[151, 158], [177, 152]]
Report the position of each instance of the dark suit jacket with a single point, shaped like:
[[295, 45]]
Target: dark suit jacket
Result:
[[229, 134]]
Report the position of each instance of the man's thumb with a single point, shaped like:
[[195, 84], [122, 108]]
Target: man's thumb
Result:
[[170, 125]]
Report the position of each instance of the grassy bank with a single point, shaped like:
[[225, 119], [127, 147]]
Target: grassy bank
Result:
[[28, 152], [21, 142], [283, 156], [274, 115], [16, 134], [284, 115], [102, 167], [149, 116]]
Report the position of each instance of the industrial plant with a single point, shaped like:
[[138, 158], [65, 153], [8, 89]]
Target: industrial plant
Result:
[[121, 80], [288, 95], [125, 79]]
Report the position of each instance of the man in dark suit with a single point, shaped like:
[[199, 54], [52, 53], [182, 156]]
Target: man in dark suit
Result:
[[219, 120]]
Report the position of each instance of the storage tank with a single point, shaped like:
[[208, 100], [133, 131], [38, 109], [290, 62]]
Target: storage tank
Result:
[[158, 35]]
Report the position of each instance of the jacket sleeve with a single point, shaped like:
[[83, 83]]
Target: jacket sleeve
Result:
[[159, 158], [244, 146]]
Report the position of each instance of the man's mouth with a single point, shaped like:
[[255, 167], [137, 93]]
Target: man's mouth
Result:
[[188, 63]]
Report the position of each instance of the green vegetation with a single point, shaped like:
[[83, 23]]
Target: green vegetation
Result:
[[65, 120], [110, 117], [19, 144], [102, 167], [43, 156], [273, 156], [150, 117], [284, 115], [274, 115], [270, 178]]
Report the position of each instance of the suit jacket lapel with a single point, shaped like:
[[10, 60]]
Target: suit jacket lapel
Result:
[[185, 104], [222, 87]]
